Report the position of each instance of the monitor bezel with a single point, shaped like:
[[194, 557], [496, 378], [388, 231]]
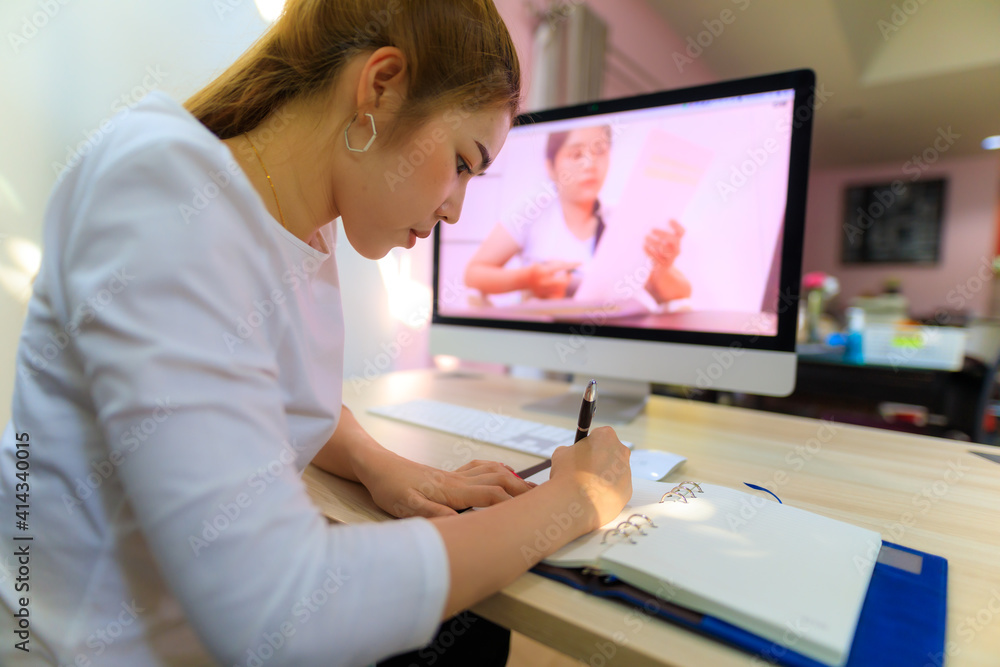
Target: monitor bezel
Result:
[[803, 82]]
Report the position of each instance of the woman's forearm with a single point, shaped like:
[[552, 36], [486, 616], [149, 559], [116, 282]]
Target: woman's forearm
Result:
[[488, 549], [495, 279], [349, 445]]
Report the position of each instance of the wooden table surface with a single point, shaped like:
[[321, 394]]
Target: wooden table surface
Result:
[[930, 494]]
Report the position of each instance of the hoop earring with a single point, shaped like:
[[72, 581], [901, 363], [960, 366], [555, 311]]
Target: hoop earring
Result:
[[370, 141]]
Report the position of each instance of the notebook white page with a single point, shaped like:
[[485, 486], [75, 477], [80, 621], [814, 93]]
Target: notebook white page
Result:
[[788, 575]]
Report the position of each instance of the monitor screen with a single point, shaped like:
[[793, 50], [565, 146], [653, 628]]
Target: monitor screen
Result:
[[671, 219]]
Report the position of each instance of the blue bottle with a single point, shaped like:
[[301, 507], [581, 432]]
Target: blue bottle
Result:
[[853, 351]]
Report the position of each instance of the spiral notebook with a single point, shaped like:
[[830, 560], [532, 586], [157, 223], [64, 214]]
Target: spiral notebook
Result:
[[785, 574]]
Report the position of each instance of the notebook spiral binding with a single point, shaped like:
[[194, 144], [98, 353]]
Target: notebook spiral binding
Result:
[[681, 492], [632, 524]]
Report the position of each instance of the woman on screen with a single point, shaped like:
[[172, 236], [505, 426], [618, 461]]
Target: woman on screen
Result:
[[182, 363], [555, 248]]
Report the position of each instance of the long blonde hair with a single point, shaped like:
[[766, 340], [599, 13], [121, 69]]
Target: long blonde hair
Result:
[[459, 53]]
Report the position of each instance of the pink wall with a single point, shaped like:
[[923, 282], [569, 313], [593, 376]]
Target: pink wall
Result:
[[969, 234]]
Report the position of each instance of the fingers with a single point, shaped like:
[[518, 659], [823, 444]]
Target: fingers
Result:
[[553, 267], [511, 484], [549, 280], [661, 246], [478, 496], [677, 228], [493, 473], [476, 463], [479, 466], [419, 505], [480, 484]]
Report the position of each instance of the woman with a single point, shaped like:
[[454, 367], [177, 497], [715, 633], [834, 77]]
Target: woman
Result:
[[555, 248], [181, 362]]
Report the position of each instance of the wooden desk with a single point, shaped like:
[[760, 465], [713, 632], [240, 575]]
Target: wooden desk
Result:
[[925, 493]]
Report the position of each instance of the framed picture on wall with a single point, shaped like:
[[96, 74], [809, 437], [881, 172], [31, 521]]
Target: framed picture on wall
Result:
[[898, 222]]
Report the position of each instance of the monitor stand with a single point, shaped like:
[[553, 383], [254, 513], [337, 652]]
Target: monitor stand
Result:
[[618, 401]]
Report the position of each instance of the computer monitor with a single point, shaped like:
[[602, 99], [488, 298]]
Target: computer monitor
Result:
[[651, 239]]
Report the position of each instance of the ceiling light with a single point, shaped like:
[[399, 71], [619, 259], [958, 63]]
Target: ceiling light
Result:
[[992, 143]]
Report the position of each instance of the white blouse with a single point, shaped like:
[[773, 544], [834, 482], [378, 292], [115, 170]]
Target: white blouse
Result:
[[180, 365]]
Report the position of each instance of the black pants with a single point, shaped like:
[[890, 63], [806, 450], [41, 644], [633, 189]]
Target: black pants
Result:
[[465, 640]]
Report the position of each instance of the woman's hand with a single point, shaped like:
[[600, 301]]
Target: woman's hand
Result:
[[549, 280], [663, 246], [598, 466], [666, 282], [405, 488]]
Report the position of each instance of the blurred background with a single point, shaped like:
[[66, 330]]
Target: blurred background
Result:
[[906, 90]]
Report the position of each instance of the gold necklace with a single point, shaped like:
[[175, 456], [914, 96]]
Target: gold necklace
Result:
[[273, 191]]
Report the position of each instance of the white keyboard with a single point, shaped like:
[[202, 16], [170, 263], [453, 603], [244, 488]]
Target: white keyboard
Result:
[[495, 428]]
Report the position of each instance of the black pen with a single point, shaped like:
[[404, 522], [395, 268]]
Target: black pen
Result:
[[587, 410]]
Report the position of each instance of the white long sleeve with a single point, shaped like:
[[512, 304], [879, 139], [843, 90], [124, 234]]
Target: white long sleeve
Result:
[[197, 360]]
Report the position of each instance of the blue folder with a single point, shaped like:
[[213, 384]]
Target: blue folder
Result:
[[902, 620]]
